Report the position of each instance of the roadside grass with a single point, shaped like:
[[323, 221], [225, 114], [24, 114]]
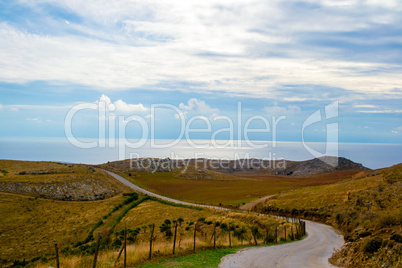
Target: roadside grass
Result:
[[366, 208], [325, 195], [234, 192], [154, 212], [206, 259]]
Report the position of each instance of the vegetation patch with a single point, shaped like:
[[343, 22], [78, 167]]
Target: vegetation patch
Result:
[[366, 208]]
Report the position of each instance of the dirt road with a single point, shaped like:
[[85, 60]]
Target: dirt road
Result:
[[313, 251], [140, 190], [250, 205], [310, 252]]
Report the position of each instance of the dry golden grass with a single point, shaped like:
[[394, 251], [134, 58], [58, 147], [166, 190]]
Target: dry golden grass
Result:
[[324, 195], [155, 212], [31, 224], [366, 207], [28, 225]]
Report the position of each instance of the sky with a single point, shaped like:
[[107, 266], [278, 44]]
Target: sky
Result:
[[241, 63]]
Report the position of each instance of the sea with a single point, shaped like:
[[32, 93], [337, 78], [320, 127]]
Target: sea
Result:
[[371, 155]]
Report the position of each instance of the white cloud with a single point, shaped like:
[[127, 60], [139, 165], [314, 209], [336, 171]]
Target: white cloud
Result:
[[393, 131], [197, 107], [365, 106], [385, 111], [150, 44], [278, 110], [1, 106], [294, 99], [37, 120], [121, 106]]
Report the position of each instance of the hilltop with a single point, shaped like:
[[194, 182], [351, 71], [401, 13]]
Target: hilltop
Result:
[[319, 165], [278, 167], [232, 183]]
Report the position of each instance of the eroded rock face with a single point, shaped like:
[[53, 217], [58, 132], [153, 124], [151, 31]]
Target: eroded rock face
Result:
[[76, 190], [319, 165]]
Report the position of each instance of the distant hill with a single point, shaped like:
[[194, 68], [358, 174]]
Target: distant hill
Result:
[[314, 166], [319, 165]]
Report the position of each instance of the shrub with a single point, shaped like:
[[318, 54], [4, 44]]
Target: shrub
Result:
[[117, 242], [372, 245], [387, 220], [201, 220], [66, 250], [396, 238], [365, 233]]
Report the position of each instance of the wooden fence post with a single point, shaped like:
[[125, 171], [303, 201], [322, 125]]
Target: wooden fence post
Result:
[[174, 239], [195, 230], [125, 245], [214, 235], [150, 241], [57, 255], [230, 240], [96, 250], [293, 236], [276, 234], [285, 233], [120, 252]]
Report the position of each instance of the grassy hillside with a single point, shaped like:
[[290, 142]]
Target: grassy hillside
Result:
[[36, 212], [56, 180], [366, 208], [138, 221], [212, 187], [29, 225]]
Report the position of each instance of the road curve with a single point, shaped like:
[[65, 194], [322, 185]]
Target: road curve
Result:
[[139, 189], [313, 251]]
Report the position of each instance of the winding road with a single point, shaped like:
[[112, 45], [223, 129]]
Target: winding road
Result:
[[311, 252]]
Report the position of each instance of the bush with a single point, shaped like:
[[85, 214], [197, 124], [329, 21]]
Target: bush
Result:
[[396, 238], [372, 245], [387, 220], [364, 234], [117, 243]]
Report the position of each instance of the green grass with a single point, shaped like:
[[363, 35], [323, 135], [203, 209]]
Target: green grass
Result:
[[204, 259], [207, 258]]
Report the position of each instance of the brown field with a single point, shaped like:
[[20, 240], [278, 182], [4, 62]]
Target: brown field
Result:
[[233, 190]]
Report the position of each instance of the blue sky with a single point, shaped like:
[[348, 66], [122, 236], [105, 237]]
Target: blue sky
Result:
[[287, 58]]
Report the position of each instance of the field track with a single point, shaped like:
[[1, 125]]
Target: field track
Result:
[[313, 251]]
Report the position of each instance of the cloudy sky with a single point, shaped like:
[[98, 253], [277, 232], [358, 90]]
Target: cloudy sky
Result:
[[208, 58]]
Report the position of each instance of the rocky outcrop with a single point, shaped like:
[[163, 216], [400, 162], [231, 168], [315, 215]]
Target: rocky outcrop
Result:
[[318, 165], [73, 190]]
